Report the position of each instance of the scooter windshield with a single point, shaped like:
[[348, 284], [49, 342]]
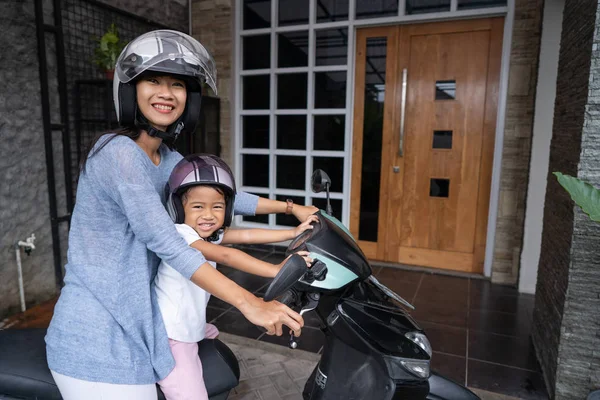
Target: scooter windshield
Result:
[[330, 238]]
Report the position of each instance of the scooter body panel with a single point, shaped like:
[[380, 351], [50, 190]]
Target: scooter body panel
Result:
[[345, 373]]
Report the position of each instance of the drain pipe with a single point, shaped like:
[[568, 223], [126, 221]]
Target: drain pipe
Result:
[[29, 247]]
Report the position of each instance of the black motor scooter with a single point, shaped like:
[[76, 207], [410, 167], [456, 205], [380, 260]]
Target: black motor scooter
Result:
[[373, 348]]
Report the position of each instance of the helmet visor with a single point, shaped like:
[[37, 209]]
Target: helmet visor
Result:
[[169, 52]]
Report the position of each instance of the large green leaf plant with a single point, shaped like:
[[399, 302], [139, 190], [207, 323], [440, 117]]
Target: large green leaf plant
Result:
[[108, 49], [583, 194]]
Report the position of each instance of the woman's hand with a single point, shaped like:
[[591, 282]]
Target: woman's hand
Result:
[[306, 225], [303, 212], [271, 315]]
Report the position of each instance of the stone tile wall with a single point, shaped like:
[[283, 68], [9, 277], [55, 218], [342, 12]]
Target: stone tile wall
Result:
[[24, 200], [566, 317], [213, 26], [24, 205]]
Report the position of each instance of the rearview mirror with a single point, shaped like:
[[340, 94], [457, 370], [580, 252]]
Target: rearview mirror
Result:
[[320, 181]]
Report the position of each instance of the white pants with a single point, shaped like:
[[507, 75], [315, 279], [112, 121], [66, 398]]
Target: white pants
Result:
[[76, 389]]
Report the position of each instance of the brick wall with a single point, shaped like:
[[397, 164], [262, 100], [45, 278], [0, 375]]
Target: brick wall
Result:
[[567, 290], [518, 132], [212, 25]]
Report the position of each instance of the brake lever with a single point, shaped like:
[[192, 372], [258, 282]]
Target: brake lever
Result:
[[313, 302]]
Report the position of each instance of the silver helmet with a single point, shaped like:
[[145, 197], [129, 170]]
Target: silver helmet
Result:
[[163, 52]]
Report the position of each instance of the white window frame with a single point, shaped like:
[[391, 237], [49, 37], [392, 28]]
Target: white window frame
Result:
[[351, 24]]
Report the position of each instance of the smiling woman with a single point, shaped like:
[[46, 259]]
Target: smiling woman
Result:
[[161, 99], [120, 231]]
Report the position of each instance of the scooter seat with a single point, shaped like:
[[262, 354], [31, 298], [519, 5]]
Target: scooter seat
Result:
[[24, 369]]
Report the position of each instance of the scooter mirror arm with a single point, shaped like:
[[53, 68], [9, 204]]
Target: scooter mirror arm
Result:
[[328, 208]]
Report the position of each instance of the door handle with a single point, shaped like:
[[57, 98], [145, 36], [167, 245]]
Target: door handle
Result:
[[402, 113]]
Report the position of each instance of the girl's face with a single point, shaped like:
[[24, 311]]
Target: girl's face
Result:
[[204, 209], [161, 99]]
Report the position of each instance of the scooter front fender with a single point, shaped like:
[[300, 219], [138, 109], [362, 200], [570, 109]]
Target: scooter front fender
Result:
[[441, 388]]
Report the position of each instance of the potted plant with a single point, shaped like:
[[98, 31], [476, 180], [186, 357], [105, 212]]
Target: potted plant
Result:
[[583, 194], [108, 50]]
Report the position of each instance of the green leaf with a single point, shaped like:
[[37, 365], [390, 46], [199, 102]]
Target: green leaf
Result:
[[583, 194]]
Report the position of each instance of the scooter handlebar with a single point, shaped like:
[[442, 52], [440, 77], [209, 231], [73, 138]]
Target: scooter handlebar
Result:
[[288, 298]]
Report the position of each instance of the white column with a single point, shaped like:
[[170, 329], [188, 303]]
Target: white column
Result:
[[540, 146]]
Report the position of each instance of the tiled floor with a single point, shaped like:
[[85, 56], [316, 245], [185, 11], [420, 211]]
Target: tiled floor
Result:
[[480, 333]]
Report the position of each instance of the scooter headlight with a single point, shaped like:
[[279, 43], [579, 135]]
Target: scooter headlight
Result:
[[406, 369], [418, 368], [420, 340]]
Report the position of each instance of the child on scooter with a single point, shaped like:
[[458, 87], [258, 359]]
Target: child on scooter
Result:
[[201, 191]]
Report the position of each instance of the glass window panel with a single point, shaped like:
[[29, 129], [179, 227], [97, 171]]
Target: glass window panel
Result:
[[336, 205], [330, 89], [284, 219], [257, 14], [330, 132], [291, 90], [445, 90], [263, 218], [332, 10], [255, 131], [426, 6], [442, 139], [372, 138], [256, 92], [291, 172], [331, 46], [256, 51], [334, 166], [255, 170], [293, 12], [439, 187], [376, 8], [292, 49], [470, 4], [291, 132]]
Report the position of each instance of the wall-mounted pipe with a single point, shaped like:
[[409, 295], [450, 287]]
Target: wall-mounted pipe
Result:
[[28, 246]]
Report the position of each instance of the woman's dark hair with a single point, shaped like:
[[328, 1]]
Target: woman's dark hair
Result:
[[131, 133]]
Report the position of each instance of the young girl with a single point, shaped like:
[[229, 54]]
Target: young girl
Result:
[[201, 190], [107, 339]]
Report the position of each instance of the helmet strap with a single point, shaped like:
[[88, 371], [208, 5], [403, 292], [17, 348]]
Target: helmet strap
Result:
[[173, 130], [215, 235]]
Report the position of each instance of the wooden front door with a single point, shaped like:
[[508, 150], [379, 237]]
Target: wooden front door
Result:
[[424, 126]]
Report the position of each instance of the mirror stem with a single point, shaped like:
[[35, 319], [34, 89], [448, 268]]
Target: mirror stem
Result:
[[328, 209]]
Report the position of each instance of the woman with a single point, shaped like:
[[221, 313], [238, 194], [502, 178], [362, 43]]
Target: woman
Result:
[[107, 338]]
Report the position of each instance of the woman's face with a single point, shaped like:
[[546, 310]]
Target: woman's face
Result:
[[161, 99]]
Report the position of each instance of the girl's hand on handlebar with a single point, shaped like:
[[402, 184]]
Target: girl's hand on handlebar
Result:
[[271, 315], [303, 212], [303, 254], [306, 225]]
